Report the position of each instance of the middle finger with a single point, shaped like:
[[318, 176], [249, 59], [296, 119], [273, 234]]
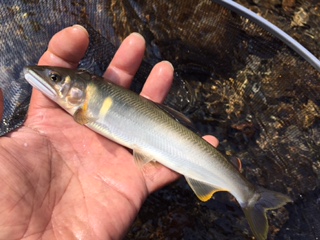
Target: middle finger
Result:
[[126, 61]]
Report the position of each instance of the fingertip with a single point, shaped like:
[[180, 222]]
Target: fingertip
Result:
[[168, 70], [159, 82], [165, 70], [162, 71], [80, 29], [67, 47], [212, 140], [169, 64], [135, 36]]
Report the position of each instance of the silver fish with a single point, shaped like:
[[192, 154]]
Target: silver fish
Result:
[[153, 135]]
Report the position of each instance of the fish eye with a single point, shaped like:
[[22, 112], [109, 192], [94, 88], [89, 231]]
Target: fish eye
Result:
[[55, 77]]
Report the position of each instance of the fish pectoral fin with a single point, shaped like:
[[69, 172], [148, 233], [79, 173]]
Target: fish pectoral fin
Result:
[[82, 116], [203, 190], [141, 159]]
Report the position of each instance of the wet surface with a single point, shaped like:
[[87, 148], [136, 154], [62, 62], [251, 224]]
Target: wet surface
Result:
[[233, 79]]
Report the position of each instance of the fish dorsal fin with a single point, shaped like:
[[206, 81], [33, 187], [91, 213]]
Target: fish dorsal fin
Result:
[[141, 159], [179, 117], [204, 191]]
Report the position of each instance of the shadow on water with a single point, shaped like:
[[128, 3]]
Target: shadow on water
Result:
[[233, 79]]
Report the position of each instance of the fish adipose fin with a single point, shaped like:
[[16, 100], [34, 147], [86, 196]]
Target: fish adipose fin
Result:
[[255, 210], [203, 190]]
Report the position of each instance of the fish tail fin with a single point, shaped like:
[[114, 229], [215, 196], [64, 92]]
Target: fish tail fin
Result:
[[255, 210]]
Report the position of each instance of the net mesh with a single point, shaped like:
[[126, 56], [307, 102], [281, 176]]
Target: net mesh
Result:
[[234, 80]]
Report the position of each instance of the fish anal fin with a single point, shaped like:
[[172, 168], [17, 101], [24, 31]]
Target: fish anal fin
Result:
[[141, 159], [203, 190]]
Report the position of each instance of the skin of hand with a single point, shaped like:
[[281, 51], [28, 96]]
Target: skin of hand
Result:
[[60, 180]]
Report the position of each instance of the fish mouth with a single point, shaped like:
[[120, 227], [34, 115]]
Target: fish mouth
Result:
[[38, 82]]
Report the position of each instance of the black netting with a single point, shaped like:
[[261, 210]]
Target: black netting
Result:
[[234, 79]]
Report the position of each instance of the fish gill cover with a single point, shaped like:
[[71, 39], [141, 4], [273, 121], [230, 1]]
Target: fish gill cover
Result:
[[234, 79]]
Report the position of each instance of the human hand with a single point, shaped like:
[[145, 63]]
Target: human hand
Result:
[[61, 180]]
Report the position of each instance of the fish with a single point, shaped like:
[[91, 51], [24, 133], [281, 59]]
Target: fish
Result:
[[154, 134]]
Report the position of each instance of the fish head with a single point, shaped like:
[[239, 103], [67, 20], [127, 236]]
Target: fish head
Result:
[[67, 87]]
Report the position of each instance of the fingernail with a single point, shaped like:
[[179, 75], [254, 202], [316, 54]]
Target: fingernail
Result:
[[81, 28], [137, 34], [169, 63]]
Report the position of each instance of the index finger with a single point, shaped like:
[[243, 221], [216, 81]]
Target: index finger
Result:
[[66, 48]]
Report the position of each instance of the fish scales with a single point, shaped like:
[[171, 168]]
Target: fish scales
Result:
[[131, 110]]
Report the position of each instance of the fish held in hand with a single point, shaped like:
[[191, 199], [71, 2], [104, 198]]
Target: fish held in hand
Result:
[[153, 134]]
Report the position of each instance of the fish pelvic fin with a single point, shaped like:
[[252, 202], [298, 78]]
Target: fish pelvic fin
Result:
[[255, 210], [141, 159]]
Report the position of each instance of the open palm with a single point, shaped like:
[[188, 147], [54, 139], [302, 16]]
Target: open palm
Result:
[[60, 180]]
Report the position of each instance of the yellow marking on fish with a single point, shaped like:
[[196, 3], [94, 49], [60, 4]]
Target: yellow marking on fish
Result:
[[68, 80], [85, 106], [207, 197], [106, 105]]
